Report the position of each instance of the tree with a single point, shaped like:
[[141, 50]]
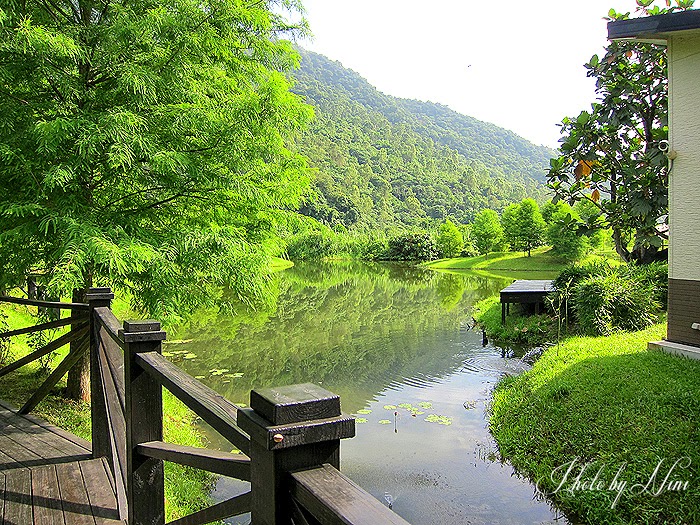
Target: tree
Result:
[[487, 231], [523, 226], [145, 146], [565, 240], [531, 225], [610, 155], [511, 229], [449, 240]]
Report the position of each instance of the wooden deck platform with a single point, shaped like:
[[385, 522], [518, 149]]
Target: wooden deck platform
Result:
[[47, 476], [525, 292]]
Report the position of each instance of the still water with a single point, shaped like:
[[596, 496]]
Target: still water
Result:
[[395, 342]]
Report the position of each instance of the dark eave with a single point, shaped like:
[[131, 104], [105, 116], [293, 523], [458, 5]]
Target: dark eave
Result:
[[654, 28]]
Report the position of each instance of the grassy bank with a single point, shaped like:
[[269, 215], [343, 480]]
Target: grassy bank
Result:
[[186, 489], [530, 330], [609, 401], [541, 260], [278, 264]]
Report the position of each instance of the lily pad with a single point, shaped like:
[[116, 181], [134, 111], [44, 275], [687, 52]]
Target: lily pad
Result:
[[384, 422], [407, 406], [389, 407], [364, 411], [427, 405], [440, 420], [360, 420]]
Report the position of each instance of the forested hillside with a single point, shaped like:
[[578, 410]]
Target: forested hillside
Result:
[[384, 161]]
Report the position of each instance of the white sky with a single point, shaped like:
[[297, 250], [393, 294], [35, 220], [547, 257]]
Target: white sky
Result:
[[516, 63]]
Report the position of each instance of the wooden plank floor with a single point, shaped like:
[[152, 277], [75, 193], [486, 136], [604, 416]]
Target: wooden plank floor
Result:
[[529, 286], [47, 476]]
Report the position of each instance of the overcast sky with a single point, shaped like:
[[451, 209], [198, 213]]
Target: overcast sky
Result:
[[517, 64]]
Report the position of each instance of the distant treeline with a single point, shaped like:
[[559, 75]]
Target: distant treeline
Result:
[[520, 227]]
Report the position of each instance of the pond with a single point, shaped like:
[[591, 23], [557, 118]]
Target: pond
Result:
[[395, 342]]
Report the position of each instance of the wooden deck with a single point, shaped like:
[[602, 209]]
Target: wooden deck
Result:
[[525, 292], [47, 476]]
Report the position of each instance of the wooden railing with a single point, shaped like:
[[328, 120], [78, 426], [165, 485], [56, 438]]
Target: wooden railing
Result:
[[289, 438]]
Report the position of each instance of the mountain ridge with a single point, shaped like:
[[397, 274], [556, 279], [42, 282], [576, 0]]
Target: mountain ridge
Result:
[[386, 161]]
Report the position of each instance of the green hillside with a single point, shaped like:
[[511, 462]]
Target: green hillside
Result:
[[383, 161]]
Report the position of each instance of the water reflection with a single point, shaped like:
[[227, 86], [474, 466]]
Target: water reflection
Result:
[[394, 342]]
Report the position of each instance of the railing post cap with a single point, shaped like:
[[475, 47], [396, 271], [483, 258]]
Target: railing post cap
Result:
[[99, 294], [146, 330], [294, 403]]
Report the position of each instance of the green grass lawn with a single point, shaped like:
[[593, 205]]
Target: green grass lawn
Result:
[[186, 489], [608, 401], [279, 264], [541, 261]]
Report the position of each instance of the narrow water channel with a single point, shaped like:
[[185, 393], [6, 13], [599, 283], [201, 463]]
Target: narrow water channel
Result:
[[395, 343]]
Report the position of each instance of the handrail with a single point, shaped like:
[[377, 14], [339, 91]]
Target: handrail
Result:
[[45, 304], [224, 463], [58, 323], [110, 323], [212, 407], [334, 499], [75, 334]]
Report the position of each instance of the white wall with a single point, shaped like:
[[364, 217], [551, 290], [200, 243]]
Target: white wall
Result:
[[684, 183]]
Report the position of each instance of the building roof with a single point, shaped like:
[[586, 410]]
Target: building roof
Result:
[[654, 28]]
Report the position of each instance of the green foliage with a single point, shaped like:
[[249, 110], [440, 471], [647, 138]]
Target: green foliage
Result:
[[606, 303], [575, 273], [523, 226], [610, 155], [450, 242], [412, 246], [385, 162], [145, 146], [654, 276], [487, 231], [563, 236], [509, 223], [313, 245], [604, 298]]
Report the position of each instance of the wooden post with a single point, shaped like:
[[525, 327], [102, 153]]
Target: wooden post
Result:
[[503, 312], [101, 447], [291, 428], [144, 422]]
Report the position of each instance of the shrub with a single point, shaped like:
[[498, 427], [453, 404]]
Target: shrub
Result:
[[606, 303], [416, 246], [577, 272], [369, 247], [653, 275], [313, 245]]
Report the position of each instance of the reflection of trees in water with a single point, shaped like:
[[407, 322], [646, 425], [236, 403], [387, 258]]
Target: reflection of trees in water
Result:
[[349, 325]]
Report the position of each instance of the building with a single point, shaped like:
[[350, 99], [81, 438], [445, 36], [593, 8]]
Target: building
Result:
[[680, 31]]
